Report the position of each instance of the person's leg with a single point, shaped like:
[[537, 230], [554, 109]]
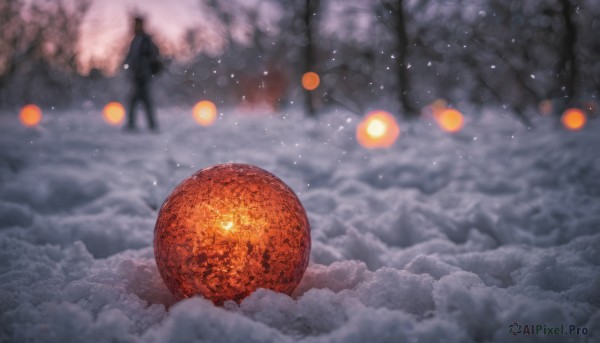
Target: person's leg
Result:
[[145, 97], [134, 94]]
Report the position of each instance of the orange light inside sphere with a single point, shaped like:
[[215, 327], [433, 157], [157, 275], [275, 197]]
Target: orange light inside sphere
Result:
[[573, 119], [113, 113], [378, 130], [450, 120], [228, 230], [310, 81], [30, 115], [205, 112]]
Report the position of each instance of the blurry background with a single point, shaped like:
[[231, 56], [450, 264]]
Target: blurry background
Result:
[[526, 56]]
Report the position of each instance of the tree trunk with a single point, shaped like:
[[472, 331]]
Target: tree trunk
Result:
[[311, 7], [401, 65], [567, 68]]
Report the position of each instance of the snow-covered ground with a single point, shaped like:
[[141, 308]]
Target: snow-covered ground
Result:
[[440, 238]]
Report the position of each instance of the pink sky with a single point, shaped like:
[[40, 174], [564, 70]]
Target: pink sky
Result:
[[107, 25]]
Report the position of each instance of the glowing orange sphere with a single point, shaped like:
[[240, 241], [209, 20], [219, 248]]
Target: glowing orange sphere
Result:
[[228, 230], [205, 112], [378, 130], [573, 119], [113, 113], [450, 120], [30, 115], [310, 81]]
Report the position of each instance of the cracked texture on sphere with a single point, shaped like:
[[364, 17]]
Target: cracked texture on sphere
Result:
[[228, 230]]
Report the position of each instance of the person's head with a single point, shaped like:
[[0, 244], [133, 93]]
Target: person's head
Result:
[[138, 24]]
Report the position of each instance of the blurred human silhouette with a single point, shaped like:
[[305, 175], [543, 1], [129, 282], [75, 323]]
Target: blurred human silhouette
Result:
[[142, 63]]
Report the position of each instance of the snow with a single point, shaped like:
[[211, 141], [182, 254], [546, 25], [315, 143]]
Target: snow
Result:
[[440, 238]]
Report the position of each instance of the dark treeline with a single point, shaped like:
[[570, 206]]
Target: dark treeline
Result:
[[38, 50], [395, 53]]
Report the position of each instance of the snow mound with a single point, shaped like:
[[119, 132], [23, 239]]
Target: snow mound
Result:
[[440, 238]]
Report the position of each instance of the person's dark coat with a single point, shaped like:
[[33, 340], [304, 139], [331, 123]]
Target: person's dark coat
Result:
[[142, 52]]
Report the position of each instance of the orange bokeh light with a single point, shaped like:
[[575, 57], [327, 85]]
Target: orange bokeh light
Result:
[[30, 115], [310, 81], [113, 113], [573, 119], [438, 106], [545, 107], [450, 120], [205, 112], [377, 130], [228, 230], [591, 107]]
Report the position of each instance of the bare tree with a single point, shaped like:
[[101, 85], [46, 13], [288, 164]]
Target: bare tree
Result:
[[310, 11], [396, 9], [567, 66], [39, 49]]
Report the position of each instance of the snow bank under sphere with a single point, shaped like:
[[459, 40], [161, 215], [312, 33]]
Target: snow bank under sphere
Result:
[[440, 238]]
